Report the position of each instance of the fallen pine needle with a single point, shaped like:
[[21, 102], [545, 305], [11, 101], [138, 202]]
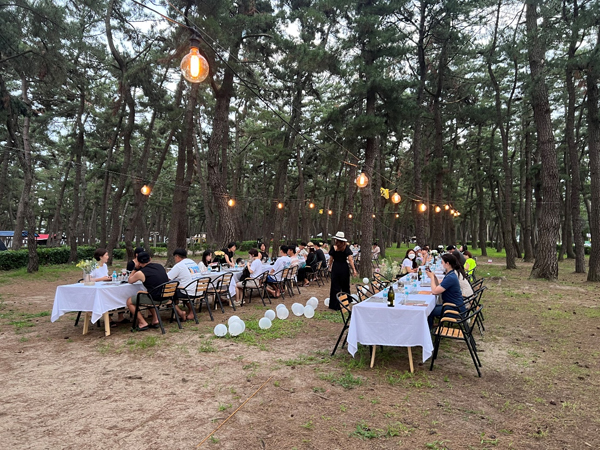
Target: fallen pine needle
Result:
[[233, 413]]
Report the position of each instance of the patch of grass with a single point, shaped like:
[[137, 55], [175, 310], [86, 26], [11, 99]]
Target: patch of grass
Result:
[[214, 440], [515, 354], [253, 335], [224, 406], [252, 365], [308, 425], [436, 445], [343, 408], [206, 347], [302, 360], [143, 344], [19, 324], [397, 429], [23, 339], [329, 316], [364, 432], [346, 380]]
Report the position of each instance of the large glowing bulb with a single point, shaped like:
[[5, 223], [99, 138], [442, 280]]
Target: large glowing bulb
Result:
[[194, 66]]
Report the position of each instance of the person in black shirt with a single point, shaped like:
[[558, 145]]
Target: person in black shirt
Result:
[[229, 253], [136, 252], [340, 263], [151, 275], [320, 255]]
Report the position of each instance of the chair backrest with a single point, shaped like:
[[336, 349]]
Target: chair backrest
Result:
[[292, 272], [363, 291], [202, 285], [226, 281], [285, 273], [165, 291], [345, 306]]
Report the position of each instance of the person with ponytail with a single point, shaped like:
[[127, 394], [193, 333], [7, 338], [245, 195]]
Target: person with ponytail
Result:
[[449, 288]]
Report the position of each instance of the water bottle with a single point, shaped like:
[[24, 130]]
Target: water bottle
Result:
[[405, 295], [385, 295], [114, 276]]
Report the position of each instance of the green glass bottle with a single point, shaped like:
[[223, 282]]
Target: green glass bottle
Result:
[[391, 296]]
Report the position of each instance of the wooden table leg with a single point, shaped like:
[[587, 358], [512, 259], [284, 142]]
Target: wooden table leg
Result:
[[106, 319], [410, 361], [86, 322], [373, 355]]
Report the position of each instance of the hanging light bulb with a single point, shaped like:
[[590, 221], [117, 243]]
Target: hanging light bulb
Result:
[[452, 211], [422, 207], [311, 205], [194, 66], [437, 209], [457, 213], [231, 202], [446, 207], [146, 190], [350, 216], [280, 205], [396, 198], [330, 212], [362, 180], [397, 216], [373, 216]]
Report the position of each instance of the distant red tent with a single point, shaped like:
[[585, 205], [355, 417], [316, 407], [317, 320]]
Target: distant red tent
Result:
[[42, 237]]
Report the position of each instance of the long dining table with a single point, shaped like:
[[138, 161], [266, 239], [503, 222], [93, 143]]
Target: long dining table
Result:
[[374, 323]]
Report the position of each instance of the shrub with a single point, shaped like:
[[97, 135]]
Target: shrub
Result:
[[14, 259]]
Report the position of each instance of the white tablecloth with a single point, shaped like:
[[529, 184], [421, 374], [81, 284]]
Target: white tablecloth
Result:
[[99, 298], [374, 323]]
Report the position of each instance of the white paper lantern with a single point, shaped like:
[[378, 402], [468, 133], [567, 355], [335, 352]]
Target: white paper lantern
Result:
[[220, 330], [265, 323], [309, 312], [282, 313], [232, 319], [235, 328], [270, 314]]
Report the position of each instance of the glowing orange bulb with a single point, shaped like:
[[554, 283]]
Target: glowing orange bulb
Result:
[[280, 205], [194, 66], [422, 207], [396, 198], [311, 205], [373, 216], [349, 216], [362, 180], [330, 212], [397, 216], [437, 209], [231, 202], [452, 211], [146, 190], [446, 207]]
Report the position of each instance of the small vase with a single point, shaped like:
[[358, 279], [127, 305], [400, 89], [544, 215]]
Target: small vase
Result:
[[87, 279]]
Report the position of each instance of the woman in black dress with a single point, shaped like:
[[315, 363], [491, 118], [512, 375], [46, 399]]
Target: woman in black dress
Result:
[[339, 264]]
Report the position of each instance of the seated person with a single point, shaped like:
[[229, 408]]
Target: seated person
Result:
[[264, 256], [151, 275], [206, 261], [449, 288], [291, 252], [136, 252], [320, 254], [283, 262], [100, 273], [185, 271], [409, 265], [303, 250], [310, 267], [253, 267], [375, 251], [459, 257]]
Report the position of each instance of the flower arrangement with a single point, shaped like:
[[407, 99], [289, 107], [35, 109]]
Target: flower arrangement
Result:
[[87, 265], [389, 268], [434, 252], [219, 253]]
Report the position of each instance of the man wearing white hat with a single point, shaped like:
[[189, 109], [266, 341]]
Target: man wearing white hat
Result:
[[340, 263]]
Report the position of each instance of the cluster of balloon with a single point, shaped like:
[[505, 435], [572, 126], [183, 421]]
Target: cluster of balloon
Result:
[[311, 306], [236, 327], [282, 311]]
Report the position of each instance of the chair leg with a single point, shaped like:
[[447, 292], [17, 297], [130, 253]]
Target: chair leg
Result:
[[174, 313], [162, 328], [205, 299], [78, 317], [137, 309], [218, 299], [338, 341], [192, 307]]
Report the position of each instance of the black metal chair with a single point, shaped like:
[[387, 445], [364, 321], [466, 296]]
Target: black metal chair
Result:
[[256, 284], [163, 295], [220, 287], [346, 312], [200, 287]]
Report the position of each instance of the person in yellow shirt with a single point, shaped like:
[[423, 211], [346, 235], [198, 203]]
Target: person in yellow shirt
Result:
[[470, 262]]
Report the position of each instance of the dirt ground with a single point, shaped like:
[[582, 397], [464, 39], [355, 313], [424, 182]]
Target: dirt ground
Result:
[[538, 390]]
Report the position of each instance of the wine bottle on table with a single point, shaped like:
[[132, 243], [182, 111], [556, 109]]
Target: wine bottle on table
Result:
[[390, 297]]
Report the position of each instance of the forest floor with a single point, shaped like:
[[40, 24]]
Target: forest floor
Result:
[[538, 390]]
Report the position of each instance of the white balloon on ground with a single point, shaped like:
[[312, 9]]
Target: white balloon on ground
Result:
[[220, 330], [264, 323], [281, 305], [355, 297], [298, 309], [243, 325], [270, 314], [326, 301], [282, 313], [232, 319], [235, 328], [309, 312], [365, 280], [313, 302]]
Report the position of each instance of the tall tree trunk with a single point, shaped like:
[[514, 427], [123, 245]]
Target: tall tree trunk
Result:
[[527, 225], [593, 75], [546, 264], [74, 227]]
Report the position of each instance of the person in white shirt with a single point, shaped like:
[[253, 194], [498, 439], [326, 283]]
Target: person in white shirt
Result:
[[375, 250], [254, 270], [206, 261], [283, 262], [185, 271], [100, 273], [303, 250], [409, 265]]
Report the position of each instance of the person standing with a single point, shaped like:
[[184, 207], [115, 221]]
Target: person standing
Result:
[[340, 263]]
